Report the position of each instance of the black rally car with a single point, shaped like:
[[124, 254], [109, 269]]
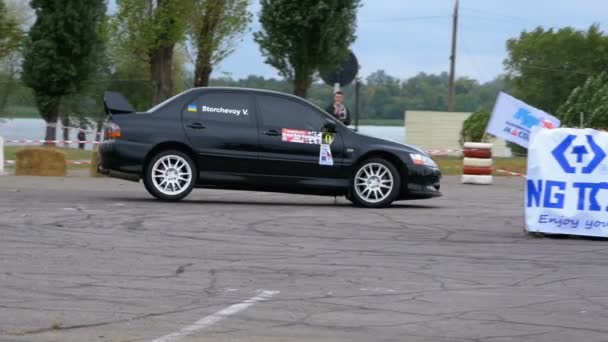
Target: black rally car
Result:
[[248, 139]]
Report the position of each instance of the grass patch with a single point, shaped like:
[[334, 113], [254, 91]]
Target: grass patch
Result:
[[453, 165], [71, 153], [379, 122], [20, 112]]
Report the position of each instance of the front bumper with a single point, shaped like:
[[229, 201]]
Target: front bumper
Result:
[[422, 182]]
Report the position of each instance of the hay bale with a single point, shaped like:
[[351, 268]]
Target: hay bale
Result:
[[94, 163], [41, 161]]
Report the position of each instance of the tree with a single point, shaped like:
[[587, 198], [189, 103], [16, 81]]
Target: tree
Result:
[[151, 29], [546, 65], [10, 35], [474, 127], [214, 29], [589, 99], [299, 37], [59, 52]]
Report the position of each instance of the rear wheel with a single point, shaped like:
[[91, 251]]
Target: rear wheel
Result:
[[170, 175], [376, 184]]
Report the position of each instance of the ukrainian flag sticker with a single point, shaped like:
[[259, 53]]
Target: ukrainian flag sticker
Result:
[[192, 108]]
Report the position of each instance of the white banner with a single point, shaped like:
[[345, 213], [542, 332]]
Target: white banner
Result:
[[567, 188], [512, 120]]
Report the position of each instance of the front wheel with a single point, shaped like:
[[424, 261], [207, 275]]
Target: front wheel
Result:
[[170, 175], [376, 184]]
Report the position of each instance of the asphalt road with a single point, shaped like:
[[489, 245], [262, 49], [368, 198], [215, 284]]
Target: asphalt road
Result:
[[87, 259]]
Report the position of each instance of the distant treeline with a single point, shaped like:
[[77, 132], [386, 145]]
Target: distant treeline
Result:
[[383, 96]]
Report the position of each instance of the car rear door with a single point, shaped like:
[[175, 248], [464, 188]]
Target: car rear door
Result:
[[290, 139], [222, 128]]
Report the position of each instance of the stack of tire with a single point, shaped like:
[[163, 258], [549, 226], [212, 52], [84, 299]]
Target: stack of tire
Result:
[[477, 163]]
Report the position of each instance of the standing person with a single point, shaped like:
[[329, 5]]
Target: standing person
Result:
[[338, 109], [81, 138]]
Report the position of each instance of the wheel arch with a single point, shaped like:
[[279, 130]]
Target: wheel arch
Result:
[[170, 145], [388, 156]]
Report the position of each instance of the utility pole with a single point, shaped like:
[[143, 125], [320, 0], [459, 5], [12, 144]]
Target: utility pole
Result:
[[451, 94]]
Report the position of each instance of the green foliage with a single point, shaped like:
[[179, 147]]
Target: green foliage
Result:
[[145, 25], [299, 37], [150, 30], [591, 99], [474, 127], [10, 35], [59, 52], [546, 65], [214, 27]]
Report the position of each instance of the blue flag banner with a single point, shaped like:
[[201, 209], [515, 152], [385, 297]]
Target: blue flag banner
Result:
[[513, 120]]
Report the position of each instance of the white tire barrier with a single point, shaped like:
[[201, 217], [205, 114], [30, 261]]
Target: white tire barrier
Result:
[[477, 179], [477, 163]]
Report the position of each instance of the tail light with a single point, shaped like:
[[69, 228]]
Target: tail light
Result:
[[112, 131]]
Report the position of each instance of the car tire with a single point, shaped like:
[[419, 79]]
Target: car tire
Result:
[[375, 184], [170, 175]]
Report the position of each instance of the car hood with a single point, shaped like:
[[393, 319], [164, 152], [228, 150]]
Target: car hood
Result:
[[379, 142]]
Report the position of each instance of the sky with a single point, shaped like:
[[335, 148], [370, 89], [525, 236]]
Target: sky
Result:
[[406, 37]]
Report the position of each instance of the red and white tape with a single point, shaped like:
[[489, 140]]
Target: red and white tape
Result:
[[30, 141], [75, 128], [440, 152], [511, 173]]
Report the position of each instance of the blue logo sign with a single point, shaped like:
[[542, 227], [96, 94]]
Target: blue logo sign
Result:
[[579, 151], [526, 118]]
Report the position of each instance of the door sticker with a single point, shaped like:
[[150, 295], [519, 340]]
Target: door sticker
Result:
[[300, 136], [325, 157], [328, 138], [192, 108], [222, 110]]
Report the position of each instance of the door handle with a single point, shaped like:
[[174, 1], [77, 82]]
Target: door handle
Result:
[[272, 133], [196, 125]]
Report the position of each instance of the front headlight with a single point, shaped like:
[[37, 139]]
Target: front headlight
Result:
[[420, 159]]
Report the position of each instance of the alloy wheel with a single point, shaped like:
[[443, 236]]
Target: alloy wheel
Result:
[[374, 182], [171, 175]]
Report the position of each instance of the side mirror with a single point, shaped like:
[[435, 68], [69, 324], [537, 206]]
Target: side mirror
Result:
[[329, 127]]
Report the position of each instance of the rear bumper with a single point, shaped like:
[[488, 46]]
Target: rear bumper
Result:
[[121, 159]]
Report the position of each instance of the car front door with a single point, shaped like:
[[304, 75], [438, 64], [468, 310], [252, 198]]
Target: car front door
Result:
[[291, 136], [222, 128]]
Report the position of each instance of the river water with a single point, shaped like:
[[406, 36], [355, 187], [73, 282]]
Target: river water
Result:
[[34, 129]]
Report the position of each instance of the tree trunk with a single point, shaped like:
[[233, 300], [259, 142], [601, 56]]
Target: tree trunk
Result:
[[301, 84], [161, 61], [99, 127], [49, 110], [202, 73], [65, 122]]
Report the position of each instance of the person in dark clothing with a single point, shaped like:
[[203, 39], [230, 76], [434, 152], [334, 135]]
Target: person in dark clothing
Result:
[[338, 109], [81, 138]]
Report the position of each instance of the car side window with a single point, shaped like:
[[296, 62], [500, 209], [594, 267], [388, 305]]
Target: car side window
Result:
[[223, 107], [280, 112]]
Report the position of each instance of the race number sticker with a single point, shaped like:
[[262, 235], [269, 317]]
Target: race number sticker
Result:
[[325, 157], [328, 138], [300, 136]]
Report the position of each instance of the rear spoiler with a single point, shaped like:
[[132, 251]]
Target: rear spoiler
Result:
[[116, 103]]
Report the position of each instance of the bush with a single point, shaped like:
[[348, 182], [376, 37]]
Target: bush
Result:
[[474, 128], [41, 161]]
